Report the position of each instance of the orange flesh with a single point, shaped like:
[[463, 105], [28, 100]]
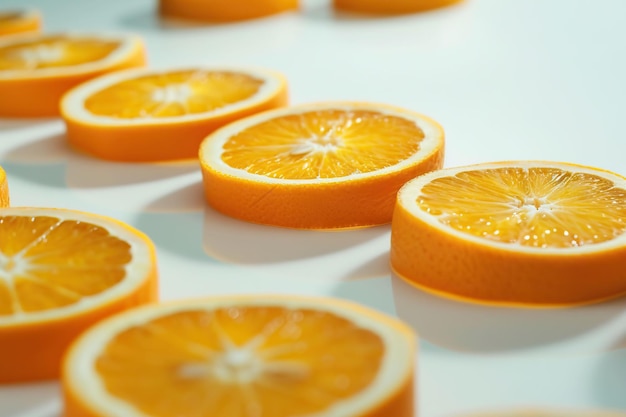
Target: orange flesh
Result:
[[536, 207], [173, 94], [239, 362], [54, 52], [47, 263], [323, 144]]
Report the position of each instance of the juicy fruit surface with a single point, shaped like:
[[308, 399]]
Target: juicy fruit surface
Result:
[[542, 207], [47, 263], [513, 233], [318, 166], [242, 356], [323, 144], [240, 362], [54, 52], [172, 94]]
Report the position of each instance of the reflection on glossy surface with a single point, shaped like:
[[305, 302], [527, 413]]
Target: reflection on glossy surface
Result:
[[463, 326], [174, 232], [237, 241], [84, 171], [30, 400]]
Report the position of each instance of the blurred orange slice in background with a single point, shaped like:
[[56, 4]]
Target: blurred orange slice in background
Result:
[[318, 166], [4, 189], [242, 356], [223, 10], [519, 232], [19, 21], [387, 7], [60, 272], [36, 70], [154, 115]]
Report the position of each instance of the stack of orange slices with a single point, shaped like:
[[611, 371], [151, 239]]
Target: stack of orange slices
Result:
[[519, 232], [60, 272], [241, 356], [36, 70], [144, 115], [318, 166]]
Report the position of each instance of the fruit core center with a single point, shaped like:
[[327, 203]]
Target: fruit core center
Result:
[[242, 366], [533, 204], [237, 365], [11, 266], [317, 144], [174, 93], [39, 54]]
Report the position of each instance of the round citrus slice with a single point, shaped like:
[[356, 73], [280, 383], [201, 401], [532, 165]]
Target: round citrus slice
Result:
[[60, 272], [522, 232], [151, 115], [19, 21], [4, 189], [36, 70], [318, 166], [224, 10], [242, 356], [390, 6]]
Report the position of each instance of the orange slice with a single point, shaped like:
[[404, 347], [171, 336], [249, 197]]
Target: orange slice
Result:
[[390, 6], [19, 21], [224, 10], [4, 189], [152, 115], [36, 70], [60, 272], [522, 232], [241, 356], [327, 165]]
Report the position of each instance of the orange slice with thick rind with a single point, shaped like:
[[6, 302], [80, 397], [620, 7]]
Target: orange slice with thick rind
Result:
[[390, 7], [224, 10], [318, 166], [13, 22], [4, 189], [36, 70], [154, 115], [513, 233], [60, 272], [238, 356]]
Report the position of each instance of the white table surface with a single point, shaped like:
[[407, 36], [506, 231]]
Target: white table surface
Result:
[[508, 79]]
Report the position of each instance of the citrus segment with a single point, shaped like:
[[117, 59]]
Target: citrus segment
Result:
[[36, 70], [224, 10], [328, 165], [151, 115], [391, 6], [514, 232], [240, 356], [61, 271], [19, 21], [4, 189]]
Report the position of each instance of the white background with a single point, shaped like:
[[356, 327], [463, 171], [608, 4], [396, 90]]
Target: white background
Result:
[[508, 79]]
